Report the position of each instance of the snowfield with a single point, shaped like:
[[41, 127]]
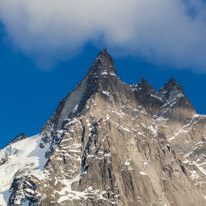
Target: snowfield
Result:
[[22, 154]]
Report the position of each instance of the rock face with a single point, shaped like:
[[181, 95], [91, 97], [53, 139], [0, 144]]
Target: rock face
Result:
[[109, 143]]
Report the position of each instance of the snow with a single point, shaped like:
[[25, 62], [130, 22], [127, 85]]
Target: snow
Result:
[[8, 151], [75, 108], [112, 74], [188, 127], [194, 175], [88, 123], [145, 163], [104, 73], [23, 155], [72, 100], [25, 203], [106, 93], [173, 98], [68, 194], [154, 130], [121, 127], [182, 131], [120, 113], [142, 173], [125, 129], [101, 195], [4, 197], [128, 164], [160, 119], [107, 117], [201, 169], [192, 122], [156, 96], [141, 134]]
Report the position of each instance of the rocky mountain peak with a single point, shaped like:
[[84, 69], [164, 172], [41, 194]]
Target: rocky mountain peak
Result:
[[175, 103], [146, 86], [171, 90], [142, 87], [172, 84], [101, 77], [102, 66], [104, 60], [144, 81], [169, 100], [110, 144]]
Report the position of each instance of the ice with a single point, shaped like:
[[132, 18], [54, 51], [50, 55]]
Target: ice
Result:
[[8, 151]]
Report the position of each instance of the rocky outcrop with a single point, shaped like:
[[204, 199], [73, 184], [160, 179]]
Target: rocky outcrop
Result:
[[109, 143], [19, 137], [169, 102]]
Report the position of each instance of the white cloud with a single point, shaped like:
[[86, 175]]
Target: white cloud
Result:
[[162, 31]]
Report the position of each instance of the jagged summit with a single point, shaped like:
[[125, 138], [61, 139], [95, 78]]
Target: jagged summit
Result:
[[173, 84], [101, 78], [110, 144], [101, 72], [103, 62], [169, 101], [172, 80]]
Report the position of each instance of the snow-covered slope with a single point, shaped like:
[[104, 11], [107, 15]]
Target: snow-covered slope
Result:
[[20, 158]]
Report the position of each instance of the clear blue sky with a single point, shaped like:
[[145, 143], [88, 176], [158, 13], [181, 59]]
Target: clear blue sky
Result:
[[30, 94]]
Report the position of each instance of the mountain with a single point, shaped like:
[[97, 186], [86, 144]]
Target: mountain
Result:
[[109, 143]]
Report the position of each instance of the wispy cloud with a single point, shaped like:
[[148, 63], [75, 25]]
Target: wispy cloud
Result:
[[170, 32]]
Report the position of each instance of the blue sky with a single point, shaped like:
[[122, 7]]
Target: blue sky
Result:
[[38, 67]]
